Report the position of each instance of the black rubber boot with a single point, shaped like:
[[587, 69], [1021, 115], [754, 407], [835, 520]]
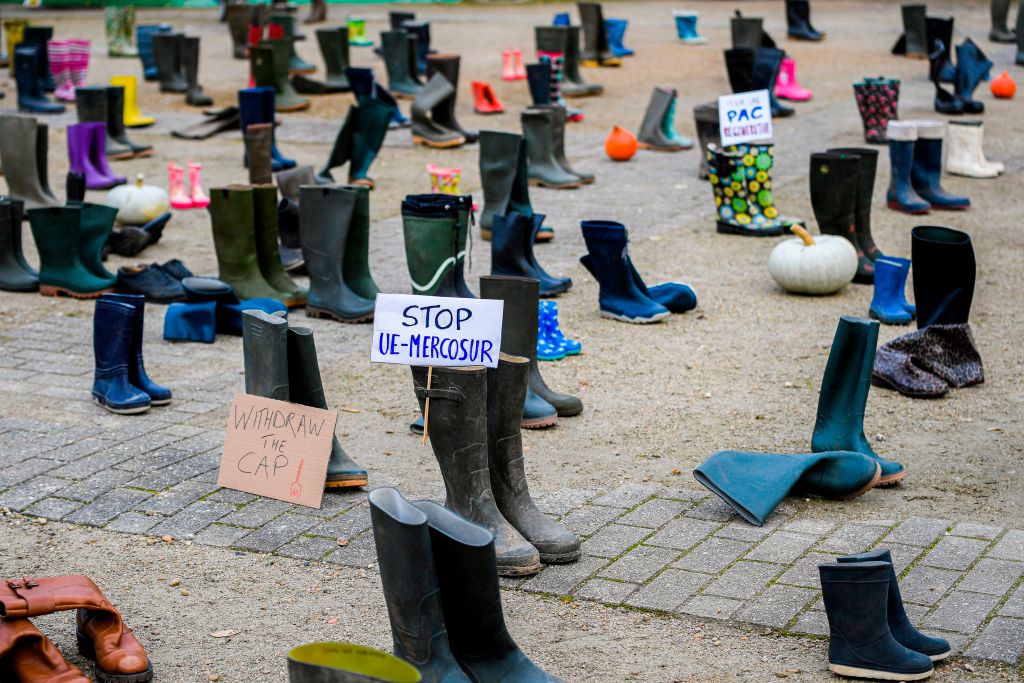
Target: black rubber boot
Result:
[[767, 61], [544, 169], [31, 97], [464, 560], [444, 112], [798, 21], [596, 51], [506, 394], [286, 21], [270, 69], [739, 63], [504, 177], [265, 351], [401, 81], [411, 591], [333, 44], [834, 180], [288, 215], [860, 643], [190, 65], [290, 180], [420, 30], [944, 274], [115, 123], [945, 102], [41, 35], [326, 213], [1020, 38], [512, 238], [748, 32], [1001, 33], [23, 147], [167, 54], [914, 41], [15, 273], [867, 166], [566, 39], [457, 429], [939, 38], [705, 118], [425, 130], [238, 26], [306, 388], [652, 129], [519, 333], [559, 117], [91, 106]]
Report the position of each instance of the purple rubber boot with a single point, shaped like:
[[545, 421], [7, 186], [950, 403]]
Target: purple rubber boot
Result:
[[98, 157], [80, 137]]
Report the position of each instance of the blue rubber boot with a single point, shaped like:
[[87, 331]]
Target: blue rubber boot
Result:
[[547, 347], [561, 19], [926, 172], [899, 624], [364, 88], [901, 195], [885, 304], [256, 105], [904, 264], [158, 395], [860, 643], [191, 322], [616, 31], [571, 346], [112, 327], [144, 42], [608, 261], [686, 28]]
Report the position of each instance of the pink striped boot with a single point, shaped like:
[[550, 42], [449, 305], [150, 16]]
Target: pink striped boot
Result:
[[78, 60], [57, 54]]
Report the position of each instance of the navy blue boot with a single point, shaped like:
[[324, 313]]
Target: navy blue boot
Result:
[[112, 328], [675, 296], [608, 261], [538, 77], [365, 88], [512, 238], [899, 624], [972, 67], [860, 643], [31, 97], [256, 105], [144, 43], [158, 395], [885, 304], [927, 168], [901, 195]]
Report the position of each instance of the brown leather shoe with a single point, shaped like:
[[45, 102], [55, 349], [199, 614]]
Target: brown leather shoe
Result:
[[102, 635], [27, 656]]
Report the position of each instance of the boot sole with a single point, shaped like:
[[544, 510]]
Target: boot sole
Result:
[[727, 229], [164, 402], [857, 672], [950, 208], [560, 186], [488, 113], [121, 156], [540, 422], [874, 316], [402, 95], [320, 313], [519, 571], [939, 658], [51, 290], [896, 207], [636, 321], [294, 107], [892, 479], [872, 484], [885, 384], [87, 649], [562, 558], [438, 145], [142, 155], [346, 483], [121, 411], [655, 148]]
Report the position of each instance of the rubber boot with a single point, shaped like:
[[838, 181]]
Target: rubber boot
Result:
[[60, 69], [538, 77], [167, 54], [232, 218], [116, 123], [686, 27], [306, 388], [966, 155], [133, 118], [94, 229], [867, 167], [705, 117], [357, 32], [85, 147], [887, 302], [939, 35], [519, 336], [844, 395], [326, 214], [78, 60], [787, 87], [238, 27], [739, 63], [798, 21], [30, 656], [901, 196], [91, 105], [945, 102], [268, 253], [556, 39], [861, 645], [31, 97], [539, 132], [74, 188], [675, 296], [1000, 32], [420, 49], [914, 41], [506, 394], [1020, 38], [944, 273], [364, 87], [746, 211], [619, 297], [356, 262], [144, 40], [435, 249], [402, 82], [972, 67], [333, 44], [40, 36], [190, 65], [411, 591], [317, 12], [258, 152], [508, 69], [658, 120], [877, 102], [23, 147], [615, 29], [296, 64], [291, 180], [444, 113], [834, 182], [138, 377], [504, 177], [270, 69], [512, 238], [926, 172], [901, 296], [258, 105], [484, 99], [61, 271], [739, 478], [426, 131], [265, 354], [346, 663], [596, 51], [119, 22], [559, 117], [767, 63], [371, 125], [200, 200], [112, 338], [15, 273], [457, 429], [746, 32]]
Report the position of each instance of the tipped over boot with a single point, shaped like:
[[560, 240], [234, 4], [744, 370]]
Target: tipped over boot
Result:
[[425, 130], [444, 112], [30, 656]]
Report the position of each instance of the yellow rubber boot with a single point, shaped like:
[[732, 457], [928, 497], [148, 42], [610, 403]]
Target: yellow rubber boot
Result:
[[347, 663], [14, 30], [133, 118]]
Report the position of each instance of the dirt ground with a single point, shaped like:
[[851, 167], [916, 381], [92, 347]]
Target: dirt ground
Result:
[[741, 372]]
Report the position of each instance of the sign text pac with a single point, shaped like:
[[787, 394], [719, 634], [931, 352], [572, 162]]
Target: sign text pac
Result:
[[277, 449], [409, 329], [745, 117]]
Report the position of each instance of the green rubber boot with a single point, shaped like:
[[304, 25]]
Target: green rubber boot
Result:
[[296, 64], [372, 119], [267, 246], [15, 273], [357, 249], [344, 663], [93, 233], [270, 69], [430, 251], [61, 271], [398, 51]]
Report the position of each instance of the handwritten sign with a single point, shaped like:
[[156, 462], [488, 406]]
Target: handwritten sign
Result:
[[277, 449], [409, 329], [745, 117]]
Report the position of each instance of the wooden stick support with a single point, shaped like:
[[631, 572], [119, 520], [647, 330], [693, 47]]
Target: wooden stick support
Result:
[[426, 406]]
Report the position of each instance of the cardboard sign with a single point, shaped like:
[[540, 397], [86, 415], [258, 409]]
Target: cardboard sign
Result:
[[409, 329], [277, 449], [745, 117]]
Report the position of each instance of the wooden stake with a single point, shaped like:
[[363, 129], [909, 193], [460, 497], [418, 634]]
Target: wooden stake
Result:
[[426, 407]]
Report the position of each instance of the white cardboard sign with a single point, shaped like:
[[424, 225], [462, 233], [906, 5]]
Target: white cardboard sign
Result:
[[409, 329], [744, 117]]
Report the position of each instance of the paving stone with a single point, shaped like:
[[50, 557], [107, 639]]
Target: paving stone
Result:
[[257, 513], [627, 495], [360, 552], [711, 607], [639, 564], [851, 538], [107, 507], [613, 540], [654, 513], [953, 552], [781, 547], [926, 585], [589, 518], [133, 523], [992, 576], [962, 612], [682, 494], [276, 533], [741, 531], [1014, 607], [713, 555], [345, 526], [804, 571], [607, 592], [776, 606], [1002, 640], [919, 531], [809, 527], [683, 534], [220, 536], [743, 580], [1010, 546], [812, 623], [306, 548], [902, 555], [193, 519], [668, 590], [713, 509], [21, 496], [971, 530], [53, 508], [171, 501], [562, 501], [561, 579]]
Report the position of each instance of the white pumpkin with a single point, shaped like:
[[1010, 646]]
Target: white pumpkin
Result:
[[809, 265], [138, 204]]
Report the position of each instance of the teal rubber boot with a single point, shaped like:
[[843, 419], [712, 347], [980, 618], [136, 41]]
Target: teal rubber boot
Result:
[[61, 271]]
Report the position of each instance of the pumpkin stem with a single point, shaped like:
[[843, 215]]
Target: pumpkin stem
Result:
[[800, 232], [138, 180]]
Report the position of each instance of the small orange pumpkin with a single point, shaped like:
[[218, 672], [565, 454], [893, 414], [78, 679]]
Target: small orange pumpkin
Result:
[[1003, 86], [620, 144]]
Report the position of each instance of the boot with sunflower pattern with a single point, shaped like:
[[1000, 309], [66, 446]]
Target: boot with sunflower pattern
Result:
[[740, 177], [119, 22]]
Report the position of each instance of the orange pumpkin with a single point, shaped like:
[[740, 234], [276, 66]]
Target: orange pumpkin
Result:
[[1003, 86], [620, 144]]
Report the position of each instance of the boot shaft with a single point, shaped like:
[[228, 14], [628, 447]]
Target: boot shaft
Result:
[[944, 275], [265, 353], [739, 62], [305, 385], [845, 384], [503, 175], [856, 599], [520, 317], [652, 128], [333, 43], [834, 182], [430, 225], [113, 326]]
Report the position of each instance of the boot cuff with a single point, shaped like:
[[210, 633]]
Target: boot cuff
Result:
[[603, 230], [901, 131], [684, 13], [931, 130]]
